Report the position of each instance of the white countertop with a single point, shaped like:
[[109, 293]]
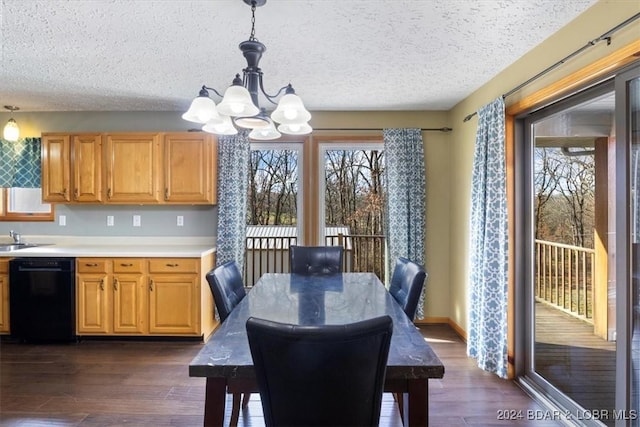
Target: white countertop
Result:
[[99, 246]]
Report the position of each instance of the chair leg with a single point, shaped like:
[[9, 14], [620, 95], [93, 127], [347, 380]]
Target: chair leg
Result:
[[245, 399], [235, 410]]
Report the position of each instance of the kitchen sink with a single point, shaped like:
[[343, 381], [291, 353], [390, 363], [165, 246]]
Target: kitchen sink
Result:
[[8, 247]]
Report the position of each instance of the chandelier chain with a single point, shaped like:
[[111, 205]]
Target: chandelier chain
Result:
[[252, 37]]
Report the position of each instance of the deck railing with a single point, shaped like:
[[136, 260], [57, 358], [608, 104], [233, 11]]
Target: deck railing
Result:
[[271, 255], [564, 277], [362, 253]]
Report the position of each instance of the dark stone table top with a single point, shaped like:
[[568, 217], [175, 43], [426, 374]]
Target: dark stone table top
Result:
[[316, 300]]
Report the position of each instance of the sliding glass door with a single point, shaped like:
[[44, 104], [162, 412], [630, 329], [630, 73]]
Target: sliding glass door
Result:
[[579, 170]]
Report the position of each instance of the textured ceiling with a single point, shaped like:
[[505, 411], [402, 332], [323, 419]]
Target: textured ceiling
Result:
[[146, 55]]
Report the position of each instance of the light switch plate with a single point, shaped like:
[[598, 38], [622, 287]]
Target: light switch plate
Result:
[[180, 221], [110, 221], [137, 222], [62, 220]]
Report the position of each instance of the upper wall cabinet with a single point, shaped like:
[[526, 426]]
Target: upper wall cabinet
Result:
[[71, 168], [189, 168], [129, 168], [133, 168]]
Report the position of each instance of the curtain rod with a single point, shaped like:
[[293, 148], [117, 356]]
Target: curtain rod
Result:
[[444, 129], [606, 36]]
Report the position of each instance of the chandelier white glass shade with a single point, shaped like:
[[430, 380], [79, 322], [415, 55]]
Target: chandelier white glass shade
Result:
[[240, 107], [11, 129]]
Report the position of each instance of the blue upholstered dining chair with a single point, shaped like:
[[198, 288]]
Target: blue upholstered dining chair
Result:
[[228, 290], [328, 375], [315, 260], [406, 285]]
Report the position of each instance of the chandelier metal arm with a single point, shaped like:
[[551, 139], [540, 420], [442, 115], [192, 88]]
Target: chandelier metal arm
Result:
[[271, 98], [203, 91]]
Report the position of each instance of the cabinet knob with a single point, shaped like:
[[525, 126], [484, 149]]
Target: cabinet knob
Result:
[[76, 194], [166, 194], [108, 193], [102, 284], [126, 265], [151, 284], [91, 264], [172, 265], [115, 284]]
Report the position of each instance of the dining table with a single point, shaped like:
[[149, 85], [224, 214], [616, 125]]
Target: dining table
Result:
[[225, 359]]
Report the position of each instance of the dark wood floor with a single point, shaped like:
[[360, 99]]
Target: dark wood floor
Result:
[[114, 383]]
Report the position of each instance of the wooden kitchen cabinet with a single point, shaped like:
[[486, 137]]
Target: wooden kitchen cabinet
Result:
[[71, 167], [190, 168], [129, 168], [174, 294], [144, 296], [93, 296], [110, 296], [86, 166], [130, 311], [133, 167], [56, 166], [4, 297]]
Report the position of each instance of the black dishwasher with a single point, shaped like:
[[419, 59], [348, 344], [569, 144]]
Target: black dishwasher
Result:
[[42, 299]]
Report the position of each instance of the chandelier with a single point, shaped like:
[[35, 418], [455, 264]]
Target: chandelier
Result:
[[240, 107]]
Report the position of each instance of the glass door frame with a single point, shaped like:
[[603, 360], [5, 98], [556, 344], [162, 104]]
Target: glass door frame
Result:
[[623, 244]]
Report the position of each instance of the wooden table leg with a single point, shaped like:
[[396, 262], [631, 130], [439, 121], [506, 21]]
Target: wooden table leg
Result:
[[214, 400], [416, 405]]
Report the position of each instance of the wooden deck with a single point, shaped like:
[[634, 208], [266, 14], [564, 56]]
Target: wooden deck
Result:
[[571, 357]]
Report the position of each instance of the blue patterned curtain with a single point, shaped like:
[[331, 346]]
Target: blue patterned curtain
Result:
[[233, 175], [404, 166], [20, 163], [487, 341]]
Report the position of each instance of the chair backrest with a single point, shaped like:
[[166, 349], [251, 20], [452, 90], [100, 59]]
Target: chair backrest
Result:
[[320, 375], [406, 286], [311, 260], [227, 287]]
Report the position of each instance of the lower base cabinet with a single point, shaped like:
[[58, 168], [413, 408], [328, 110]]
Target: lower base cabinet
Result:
[[4, 297], [146, 297]]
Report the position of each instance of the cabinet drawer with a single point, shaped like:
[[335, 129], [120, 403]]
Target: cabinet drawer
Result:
[[128, 265], [88, 265], [173, 265]]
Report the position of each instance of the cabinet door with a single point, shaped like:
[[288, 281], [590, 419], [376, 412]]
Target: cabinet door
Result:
[[133, 168], [129, 304], [189, 168], [87, 167], [92, 304], [4, 303], [173, 304], [56, 186]]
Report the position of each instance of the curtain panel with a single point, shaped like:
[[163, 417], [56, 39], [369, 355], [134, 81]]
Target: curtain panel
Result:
[[233, 175], [406, 198], [487, 340], [20, 163]]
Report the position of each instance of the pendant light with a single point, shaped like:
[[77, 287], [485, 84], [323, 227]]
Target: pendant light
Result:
[[11, 129]]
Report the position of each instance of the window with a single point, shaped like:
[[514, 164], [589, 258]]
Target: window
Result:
[[24, 204]]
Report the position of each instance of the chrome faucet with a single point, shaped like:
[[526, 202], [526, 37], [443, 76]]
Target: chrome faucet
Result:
[[15, 235]]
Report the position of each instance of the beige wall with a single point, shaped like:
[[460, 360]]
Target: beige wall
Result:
[[596, 21]]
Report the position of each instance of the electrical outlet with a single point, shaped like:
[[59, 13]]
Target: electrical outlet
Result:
[[180, 221], [62, 220], [109, 220], [137, 222]]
